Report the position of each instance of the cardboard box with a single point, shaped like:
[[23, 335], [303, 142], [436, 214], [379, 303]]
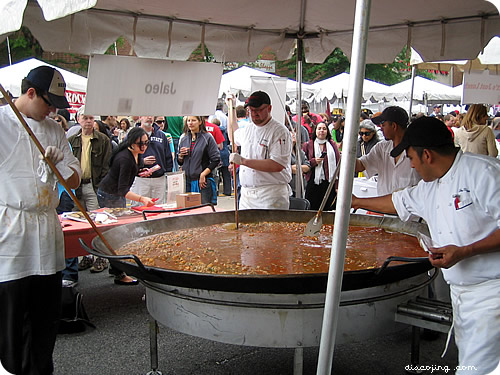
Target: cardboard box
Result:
[[188, 200]]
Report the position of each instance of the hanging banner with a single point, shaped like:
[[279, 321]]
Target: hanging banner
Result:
[[481, 88], [128, 85], [75, 99], [275, 87]]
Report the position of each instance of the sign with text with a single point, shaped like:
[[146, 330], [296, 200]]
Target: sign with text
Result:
[[127, 85], [75, 99], [481, 87]]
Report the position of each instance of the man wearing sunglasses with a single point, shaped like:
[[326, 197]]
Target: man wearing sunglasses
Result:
[[31, 238], [394, 173]]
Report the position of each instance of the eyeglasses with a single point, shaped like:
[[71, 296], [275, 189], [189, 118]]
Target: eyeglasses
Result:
[[46, 101], [365, 133], [141, 144], [160, 121]]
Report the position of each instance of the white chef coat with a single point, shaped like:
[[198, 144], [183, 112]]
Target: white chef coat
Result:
[[31, 238], [460, 208], [392, 175], [271, 141]]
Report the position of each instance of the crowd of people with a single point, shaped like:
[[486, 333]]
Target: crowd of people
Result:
[[443, 172]]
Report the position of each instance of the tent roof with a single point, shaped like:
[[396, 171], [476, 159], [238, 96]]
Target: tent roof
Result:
[[239, 80], [11, 76], [489, 59], [435, 91], [439, 30], [338, 87]]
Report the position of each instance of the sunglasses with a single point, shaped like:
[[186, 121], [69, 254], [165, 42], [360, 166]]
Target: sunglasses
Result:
[[58, 120], [46, 101], [160, 121], [140, 144], [365, 133]]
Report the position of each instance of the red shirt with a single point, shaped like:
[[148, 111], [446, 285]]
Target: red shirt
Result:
[[215, 131]]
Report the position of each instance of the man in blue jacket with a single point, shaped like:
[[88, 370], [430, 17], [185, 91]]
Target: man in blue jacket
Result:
[[157, 153]]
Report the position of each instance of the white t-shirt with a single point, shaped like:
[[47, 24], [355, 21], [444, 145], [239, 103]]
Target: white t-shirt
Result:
[[460, 208], [392, 176], [271, 141], [31, 238]]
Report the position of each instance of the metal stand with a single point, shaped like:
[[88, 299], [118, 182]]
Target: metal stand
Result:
[[298, 361], [424, 313], [153, 347]]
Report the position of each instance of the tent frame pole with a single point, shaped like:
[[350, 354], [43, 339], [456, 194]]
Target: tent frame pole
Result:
[[413, 71], [341, 224]]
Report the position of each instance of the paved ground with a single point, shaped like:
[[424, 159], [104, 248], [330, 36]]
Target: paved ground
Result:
[[120, 343]]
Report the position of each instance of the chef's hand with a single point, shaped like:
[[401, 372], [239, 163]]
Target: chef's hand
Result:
[[235, 158], [447, 256], [54, 154]]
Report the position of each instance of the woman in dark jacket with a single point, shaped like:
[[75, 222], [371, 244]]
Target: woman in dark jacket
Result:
[[199, 156], [323, 155], [114, 188]]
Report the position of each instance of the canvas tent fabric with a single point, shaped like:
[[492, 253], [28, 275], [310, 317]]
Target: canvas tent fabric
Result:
[[488, 59], [337, 87], [239, 81], [11, 76], [433, 90], [447, 29]]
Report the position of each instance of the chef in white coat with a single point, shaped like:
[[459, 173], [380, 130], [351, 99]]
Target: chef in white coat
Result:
[[459, 198], [31, 238]]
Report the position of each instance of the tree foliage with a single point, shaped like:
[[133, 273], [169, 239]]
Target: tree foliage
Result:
[[22, 44]]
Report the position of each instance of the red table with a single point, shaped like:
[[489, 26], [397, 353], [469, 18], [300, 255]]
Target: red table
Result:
[[73, 230]]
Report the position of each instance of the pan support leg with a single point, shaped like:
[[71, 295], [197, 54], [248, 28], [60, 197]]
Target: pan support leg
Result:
[[298, 361], [153, 347]]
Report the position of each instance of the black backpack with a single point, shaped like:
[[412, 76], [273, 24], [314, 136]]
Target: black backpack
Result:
[[74, 318]]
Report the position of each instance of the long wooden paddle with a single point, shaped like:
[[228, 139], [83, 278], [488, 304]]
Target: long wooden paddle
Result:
[[54, 168], [235, 187]]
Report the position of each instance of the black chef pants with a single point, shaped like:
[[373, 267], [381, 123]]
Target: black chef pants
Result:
[[29, 314]]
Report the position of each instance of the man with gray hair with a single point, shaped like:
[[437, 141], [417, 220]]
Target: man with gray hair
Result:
[[394, 173], [93, 150], [157, 153]]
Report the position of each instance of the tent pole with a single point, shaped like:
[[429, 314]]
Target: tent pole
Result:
[[413, 70], [342, 215], [299, 193]]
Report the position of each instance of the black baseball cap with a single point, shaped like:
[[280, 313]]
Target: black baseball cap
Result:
[[424, 132], [257, 99], [51, 81], [393, 114]]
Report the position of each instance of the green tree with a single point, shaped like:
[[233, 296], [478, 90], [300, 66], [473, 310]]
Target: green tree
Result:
[[22, 44]]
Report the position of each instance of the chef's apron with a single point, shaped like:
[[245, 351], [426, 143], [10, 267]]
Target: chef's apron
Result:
[[476, 324]]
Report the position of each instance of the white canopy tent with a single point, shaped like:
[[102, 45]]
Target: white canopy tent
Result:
[[443, 30], [11, 76], [338, 87], [239, 81], [489, 59], [428, 90], [439, 30]]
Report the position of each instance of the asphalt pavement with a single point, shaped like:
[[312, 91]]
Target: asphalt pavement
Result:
[[120, 343]]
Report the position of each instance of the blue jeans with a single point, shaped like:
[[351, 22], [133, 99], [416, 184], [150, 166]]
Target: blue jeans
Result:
[[110, 200]]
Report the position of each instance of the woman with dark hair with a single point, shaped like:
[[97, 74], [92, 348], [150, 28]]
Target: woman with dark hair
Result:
[[114, 188], [323, 155], [198, 157]]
